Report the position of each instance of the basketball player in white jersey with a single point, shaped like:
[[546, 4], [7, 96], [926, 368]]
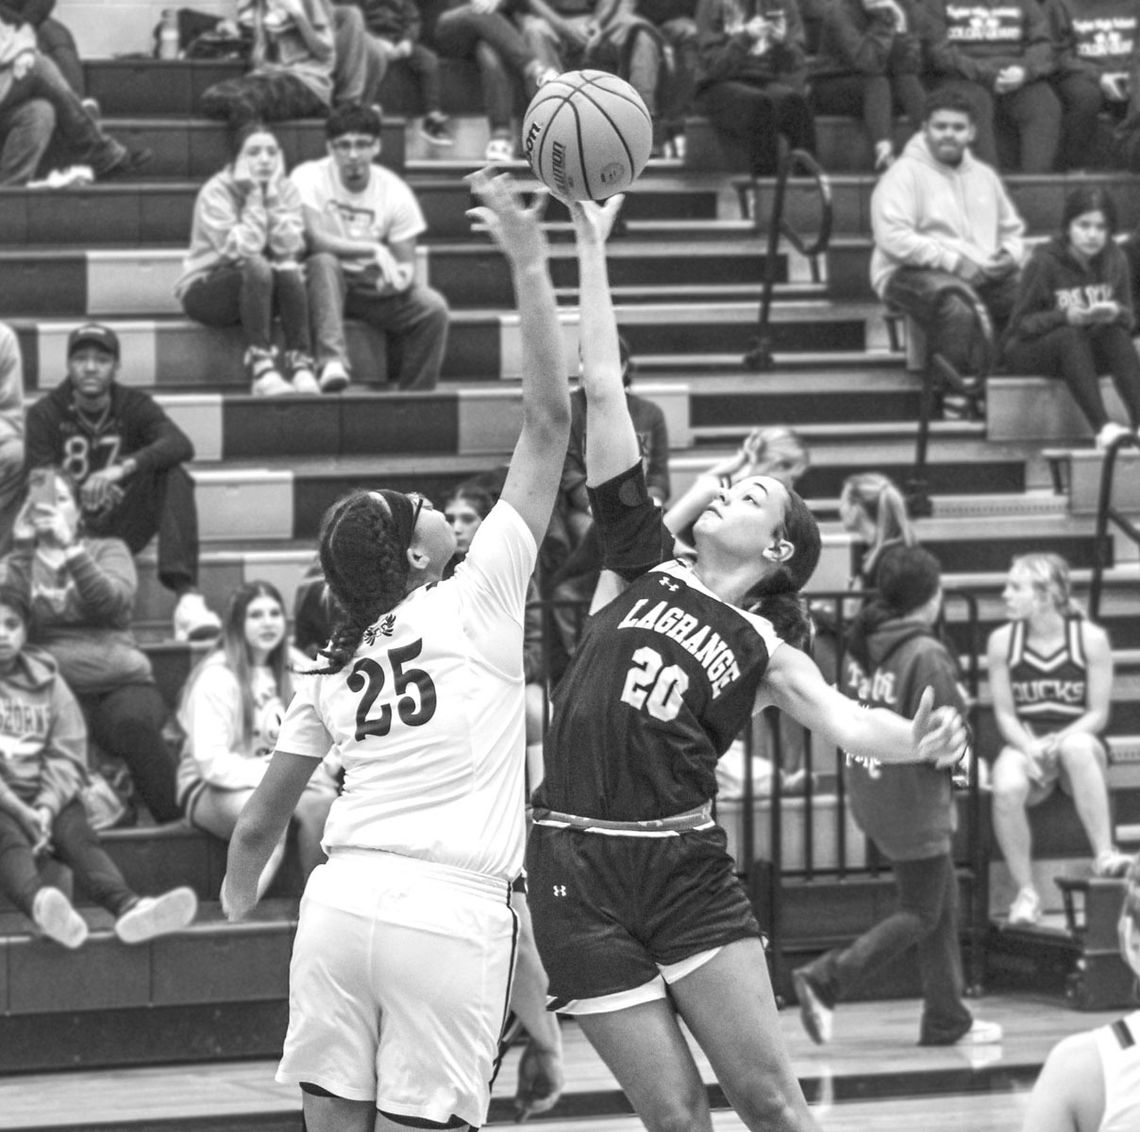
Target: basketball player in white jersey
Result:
[[402, 962], [1090, 1082]]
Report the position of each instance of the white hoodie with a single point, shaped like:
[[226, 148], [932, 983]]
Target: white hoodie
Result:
[[928, 214]]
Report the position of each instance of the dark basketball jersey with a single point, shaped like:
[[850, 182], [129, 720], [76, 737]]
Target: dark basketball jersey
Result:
[[1049, 691], [663, 680]]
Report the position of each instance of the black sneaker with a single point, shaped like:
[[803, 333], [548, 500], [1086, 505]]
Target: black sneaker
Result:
[[131, 161], [434, 128]]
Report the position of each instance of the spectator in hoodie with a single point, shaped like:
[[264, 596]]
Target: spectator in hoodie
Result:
[[947, 237], [43, 770], [907, 810], [752, 82], [1074, 317], [1095, 42], [870, 56], [230, 714], [1000, 55], [394, 27], [244, 263], [294, 57], [124, 458], [11, 433], [81, 592], [55, 41], [37, 105]]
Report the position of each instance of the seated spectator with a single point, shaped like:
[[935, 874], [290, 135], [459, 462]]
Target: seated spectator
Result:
[[36, 105], [1074, 316], [948, 240], [57, 44], [1095, 41], [293, 58], [362, 221], [244, 263], [752, 78], [1000, 56], [394, 27], [874, 510], [43, 769], [360, 61], [312, 614], [1090, 1081], [81, 591], [230, 713], [894, 660], [675, 21], [1050, 672], [870, 56], [12, 479], [124, 457], [484, 30]]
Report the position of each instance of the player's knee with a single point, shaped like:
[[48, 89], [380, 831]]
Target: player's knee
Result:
[[678, 1112]]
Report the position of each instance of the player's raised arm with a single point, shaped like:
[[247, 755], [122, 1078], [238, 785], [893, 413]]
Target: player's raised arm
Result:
[[611, 443], [536, 465]]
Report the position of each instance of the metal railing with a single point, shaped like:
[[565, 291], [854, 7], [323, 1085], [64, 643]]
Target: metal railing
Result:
[[1105, 511]]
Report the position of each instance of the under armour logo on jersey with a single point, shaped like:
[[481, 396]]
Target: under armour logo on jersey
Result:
[[672, 587], [559, 890]]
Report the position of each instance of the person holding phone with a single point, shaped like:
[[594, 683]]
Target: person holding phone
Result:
[[1073, 315], [244, 263]]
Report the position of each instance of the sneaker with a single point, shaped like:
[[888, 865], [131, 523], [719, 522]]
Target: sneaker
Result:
[[157, 915], [301, 374], [981, 1034], [265, 377], [1111, 863], [434, 128], [1026, 908], [884, 156], [499, 151], [129, 162], [816, 1018], [74, 176], [1109, 434], [194, 620], [334, 377], [536, 74], [53, 914], [94, 110]]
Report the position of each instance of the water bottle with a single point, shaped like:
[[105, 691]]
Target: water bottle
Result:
[[168, 44]]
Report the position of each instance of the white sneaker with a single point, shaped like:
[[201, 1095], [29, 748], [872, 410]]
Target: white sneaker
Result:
[[499, 151], [157, 915], [53, 914], [301, 374], [817, 1019], [270, 384], [1112, 863], [194, 620], [334, 377], [1026, 908], [1111, 431], [981, 1034]]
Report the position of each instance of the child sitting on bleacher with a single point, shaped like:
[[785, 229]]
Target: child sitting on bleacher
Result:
[[244, 263], [43, 760], [230, 714]]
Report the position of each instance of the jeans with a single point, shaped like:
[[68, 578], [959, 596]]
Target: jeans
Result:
[[927, 295], [76, 844], [269, 96], [759, 116], [127, 722], [58, 44], [360, 59], [1079, 355], [1081, 103], [157, 503], [415, 322], [76, 128], [927, 915], [878, 95], [500, 52], [13, 483], [249, 294]]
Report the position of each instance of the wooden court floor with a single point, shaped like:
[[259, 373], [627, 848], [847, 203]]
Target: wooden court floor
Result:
[[871, 1076]]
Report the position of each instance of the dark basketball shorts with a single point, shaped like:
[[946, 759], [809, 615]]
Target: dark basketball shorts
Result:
[[616, 918]]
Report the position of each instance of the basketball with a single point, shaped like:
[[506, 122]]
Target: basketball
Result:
[[587, 135]]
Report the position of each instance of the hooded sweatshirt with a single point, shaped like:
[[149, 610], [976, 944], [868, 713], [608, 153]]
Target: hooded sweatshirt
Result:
[[728, 53], [43, 740], [976, 39], [907, 809], [1094, 36], [925, 213], [1055, 280], [855, 41]]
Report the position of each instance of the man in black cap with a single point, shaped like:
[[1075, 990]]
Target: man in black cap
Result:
[[124, 458]]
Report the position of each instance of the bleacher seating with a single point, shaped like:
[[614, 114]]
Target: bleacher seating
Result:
[[687, 274]]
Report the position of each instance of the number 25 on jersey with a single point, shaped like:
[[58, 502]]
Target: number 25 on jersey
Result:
[[372, 676]]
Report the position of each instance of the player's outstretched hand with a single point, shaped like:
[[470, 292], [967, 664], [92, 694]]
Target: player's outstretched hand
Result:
[[940, 735], [592, 221], [514, 225], [540, 1081]]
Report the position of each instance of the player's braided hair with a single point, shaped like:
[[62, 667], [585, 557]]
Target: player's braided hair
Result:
[[365, 568]]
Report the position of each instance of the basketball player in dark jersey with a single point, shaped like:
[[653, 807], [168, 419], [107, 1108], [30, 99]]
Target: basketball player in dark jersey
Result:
[[1051, 679], [632, 887]]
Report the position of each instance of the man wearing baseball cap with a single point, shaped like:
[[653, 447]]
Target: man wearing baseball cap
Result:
[[124, 458]]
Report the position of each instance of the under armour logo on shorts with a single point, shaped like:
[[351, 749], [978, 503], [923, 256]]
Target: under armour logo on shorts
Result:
[[559, 890]]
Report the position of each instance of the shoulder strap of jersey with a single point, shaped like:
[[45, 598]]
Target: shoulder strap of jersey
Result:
[[1016, 643], [1076, 638]]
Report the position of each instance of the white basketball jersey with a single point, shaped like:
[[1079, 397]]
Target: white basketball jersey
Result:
[[1119, 1047], [427, 718]]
